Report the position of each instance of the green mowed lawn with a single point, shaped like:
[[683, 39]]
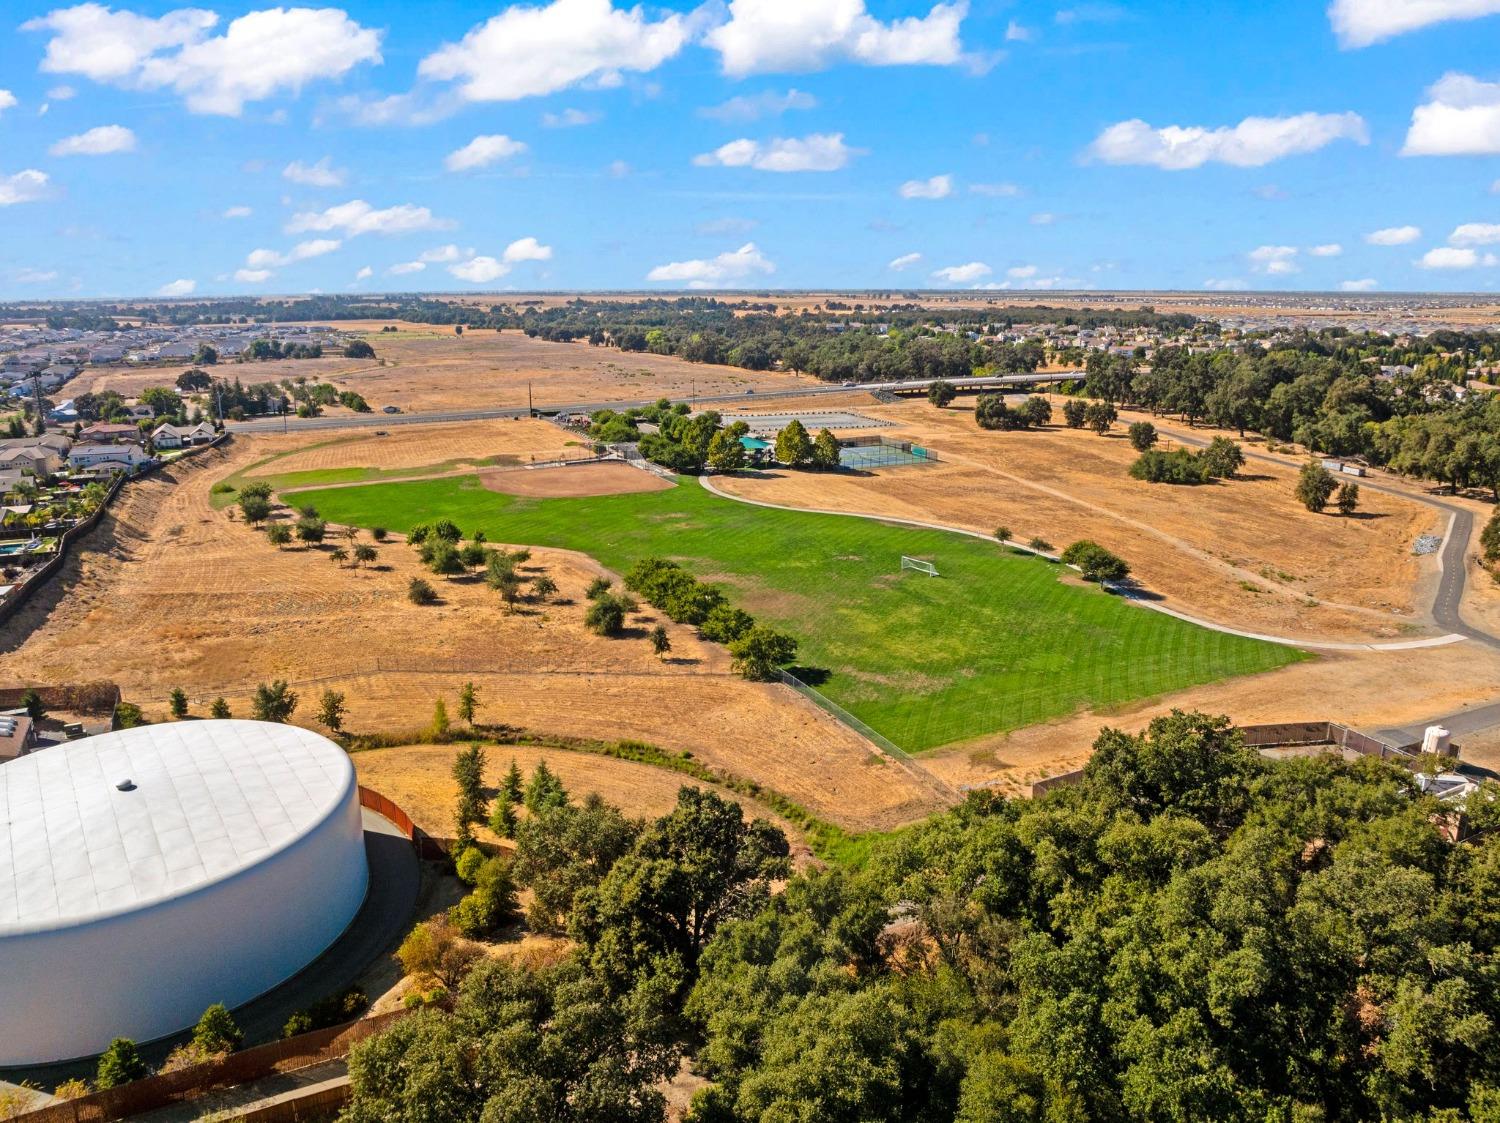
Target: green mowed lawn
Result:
[[997, 642]]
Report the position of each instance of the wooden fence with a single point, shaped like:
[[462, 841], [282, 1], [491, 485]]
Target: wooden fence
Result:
[[197, 1081], [428, 848]]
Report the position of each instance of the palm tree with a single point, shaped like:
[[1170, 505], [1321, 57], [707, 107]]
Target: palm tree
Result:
[[339, 556]]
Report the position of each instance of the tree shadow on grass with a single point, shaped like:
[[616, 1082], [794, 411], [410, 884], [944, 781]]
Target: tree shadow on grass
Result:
[[811, 676]]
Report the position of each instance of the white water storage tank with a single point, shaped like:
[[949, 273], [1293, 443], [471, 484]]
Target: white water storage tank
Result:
[[149, 873], [1437, 740]]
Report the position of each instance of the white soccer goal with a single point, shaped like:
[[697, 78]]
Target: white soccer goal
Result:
[[919, 565]]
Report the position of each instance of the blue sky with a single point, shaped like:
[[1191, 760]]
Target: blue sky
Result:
[[457, 146]]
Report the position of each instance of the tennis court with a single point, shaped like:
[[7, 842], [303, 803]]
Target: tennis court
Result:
[[864, 454]]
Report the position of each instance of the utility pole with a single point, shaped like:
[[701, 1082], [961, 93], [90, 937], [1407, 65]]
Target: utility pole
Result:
[[36, 395], [530, 412]]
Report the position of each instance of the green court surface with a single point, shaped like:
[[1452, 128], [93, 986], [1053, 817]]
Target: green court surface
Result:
[[996, 643]]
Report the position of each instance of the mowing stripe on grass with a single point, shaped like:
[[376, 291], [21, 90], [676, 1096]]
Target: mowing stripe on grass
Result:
[[996, 643]]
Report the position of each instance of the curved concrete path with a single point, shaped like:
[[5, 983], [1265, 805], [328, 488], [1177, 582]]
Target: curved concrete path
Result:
[[1448, 599], [1128, 593]]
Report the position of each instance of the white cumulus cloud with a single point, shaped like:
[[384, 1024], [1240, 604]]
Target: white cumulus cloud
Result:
[[1451, 257], [23, 187], [252, 276], [260, 55], [752, 107], [725, 269], [405, 267], [321, 174], [1329, 249], [1358, 23], [444, 254], [105, 140], [364, 274], [483, 151], [816, 152], [302, 251], [938, 187], [768, 36], [238, 212], [905, 261], [1363, 284], [1252, 143], [526, 249], [7, 100], [1225, 284], [1460, 118], [180, 287], [963, 274], [1278, 261], [359, 217], [479, 270], [1475, 234], [529, 51], [1394, 235]]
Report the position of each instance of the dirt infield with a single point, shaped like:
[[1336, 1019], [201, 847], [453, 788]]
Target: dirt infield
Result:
[[574, 481]]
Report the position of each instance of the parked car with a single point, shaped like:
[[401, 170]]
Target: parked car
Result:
[[391, 409]]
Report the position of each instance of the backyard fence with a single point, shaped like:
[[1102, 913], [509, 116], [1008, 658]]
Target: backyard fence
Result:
[[197, 1081], [22, 592]]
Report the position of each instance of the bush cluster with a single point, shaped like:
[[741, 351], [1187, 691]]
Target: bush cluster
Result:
[[1220, 460], [991, 412], [758, 650]]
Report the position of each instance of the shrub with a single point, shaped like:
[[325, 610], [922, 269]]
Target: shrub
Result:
[[1142, 435], [420, 592], [606, 615], [378, 533], [216, 1031], [725, 624], [120, 1064], [1222, 458], [1489, 538], [1176, 467], [760, 653], [336, 1009], [1003, 533], [1075, 412], [278, 534], [1315, 485], [1095, 562], [598, 587]]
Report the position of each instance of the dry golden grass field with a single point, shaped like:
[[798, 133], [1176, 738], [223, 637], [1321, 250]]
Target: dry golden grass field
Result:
[[174, 593], [413, 446], [428, 367], [419, 778]]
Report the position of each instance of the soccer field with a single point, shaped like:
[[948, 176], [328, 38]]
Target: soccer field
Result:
[[996, 643]]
